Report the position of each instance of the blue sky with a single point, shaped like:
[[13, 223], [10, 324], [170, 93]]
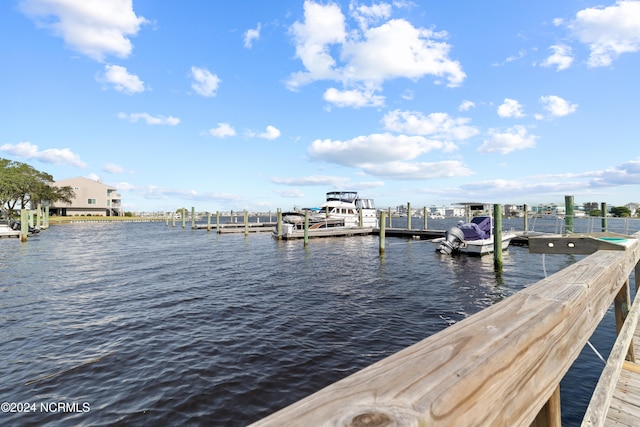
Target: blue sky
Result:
[[262, 105]]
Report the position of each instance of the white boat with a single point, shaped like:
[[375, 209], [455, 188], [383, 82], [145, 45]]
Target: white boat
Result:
[[7, 231], [472, 238], [342, 209]]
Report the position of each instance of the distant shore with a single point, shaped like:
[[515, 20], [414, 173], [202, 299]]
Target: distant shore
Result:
[[81, 219]]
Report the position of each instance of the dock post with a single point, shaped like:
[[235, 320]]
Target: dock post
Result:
[[622, 304], [390, 222], [39, 217], [166, 219], [246, 222], [46, 217], [173, 219], [408, 216], [360, 220], [208, 221], [306, 228], [526, 219], [193, 217], [497, 237], [568, 218], [184, 218], [603, 209], [30, 216], [424, 215], [24, 225], [217, 221], [382, 231], [279, 224]]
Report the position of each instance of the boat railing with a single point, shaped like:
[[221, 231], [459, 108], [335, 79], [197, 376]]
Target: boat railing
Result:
[[589, 224], [501, 366]]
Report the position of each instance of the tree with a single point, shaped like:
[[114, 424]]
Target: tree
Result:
[[620, 211], [24, 185]]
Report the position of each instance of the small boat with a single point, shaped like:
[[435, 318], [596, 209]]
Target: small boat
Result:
[[7, 231], [472, 238], [341, 210]]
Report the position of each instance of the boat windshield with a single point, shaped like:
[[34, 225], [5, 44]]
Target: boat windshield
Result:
[[342, 196], [365, 204]]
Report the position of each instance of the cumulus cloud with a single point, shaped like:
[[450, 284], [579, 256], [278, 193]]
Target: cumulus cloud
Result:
[[204, 83], [222, 130], [121, 80], [516, 138], [250, 35], [149, 119], [608, 31], [353, 98], [466, 105], [270, 133], [94, 28], [437, 125], [557, 106], [113, 168], [369, 55], [313, 180], [510, 108], [56, 156], [562, 57]]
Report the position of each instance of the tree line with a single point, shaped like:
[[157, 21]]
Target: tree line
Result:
[[23, 186]]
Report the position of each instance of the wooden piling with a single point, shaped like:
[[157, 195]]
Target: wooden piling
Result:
[[46, 217], [603, 211], [184, 218], [24, 224], [246, 223], [306, 228], [497, 237], [279, 223], [39, 216], [408, 216], [568, 218], [382, 232], [173, 219], [193, 217], [218, 221], [208, 221], [424, 215], [166, 219], [526, 218], [390, 221]]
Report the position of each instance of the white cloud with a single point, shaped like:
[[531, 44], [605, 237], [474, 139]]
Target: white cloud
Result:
[[55, 156], [353, 98], [368, 55], [466, 105], [250, 35], [114, 168], [372, 149], [270, 133], [557, 106], [223, 130], [609, 31], [92, 27], [290, 193], [121, 80], [510, 108], [420, 170], [205, 83], [562, 57], [513, 139], [313, 180], [151, 120], [436, 125]]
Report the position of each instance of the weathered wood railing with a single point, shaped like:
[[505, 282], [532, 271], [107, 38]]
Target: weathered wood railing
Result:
[[499, 367]]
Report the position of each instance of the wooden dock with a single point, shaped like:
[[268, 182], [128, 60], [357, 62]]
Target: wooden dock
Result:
[[253, 227], [501, 366]]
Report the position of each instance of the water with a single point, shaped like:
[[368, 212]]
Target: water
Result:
[[143, 324]]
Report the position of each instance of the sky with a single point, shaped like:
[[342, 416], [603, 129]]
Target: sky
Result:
[[261, 105]]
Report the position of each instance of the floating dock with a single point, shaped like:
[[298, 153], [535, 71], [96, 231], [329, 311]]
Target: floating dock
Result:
[[253, 227]]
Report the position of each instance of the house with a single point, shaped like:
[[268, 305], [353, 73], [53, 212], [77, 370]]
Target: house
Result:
[[91, 198]]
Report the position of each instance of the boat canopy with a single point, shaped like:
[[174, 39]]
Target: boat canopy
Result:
[[342, 196], [479, 228]]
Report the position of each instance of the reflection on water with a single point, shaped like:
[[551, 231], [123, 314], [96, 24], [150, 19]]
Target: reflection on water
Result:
[[159, 325]]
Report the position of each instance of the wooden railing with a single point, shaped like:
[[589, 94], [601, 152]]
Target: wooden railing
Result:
[[499, 367]]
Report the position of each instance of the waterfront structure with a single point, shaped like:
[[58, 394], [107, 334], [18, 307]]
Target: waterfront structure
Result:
[[91, 198]]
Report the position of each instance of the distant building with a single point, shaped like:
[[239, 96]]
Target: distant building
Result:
[[91, 198], [633, 208]]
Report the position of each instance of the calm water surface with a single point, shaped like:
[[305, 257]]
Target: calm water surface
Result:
[[144, 324]]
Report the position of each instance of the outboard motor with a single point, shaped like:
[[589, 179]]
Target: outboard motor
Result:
[[453, 238]]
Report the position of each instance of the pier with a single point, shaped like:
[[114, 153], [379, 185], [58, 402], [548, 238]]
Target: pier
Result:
[[503, 365]]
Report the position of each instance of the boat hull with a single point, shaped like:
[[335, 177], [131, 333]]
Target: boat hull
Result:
[[479, 247]]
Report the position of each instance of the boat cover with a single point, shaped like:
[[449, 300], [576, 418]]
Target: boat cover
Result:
[[479, 228]]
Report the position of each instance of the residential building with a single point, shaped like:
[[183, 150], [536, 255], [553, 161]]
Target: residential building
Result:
[[91, 198]]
